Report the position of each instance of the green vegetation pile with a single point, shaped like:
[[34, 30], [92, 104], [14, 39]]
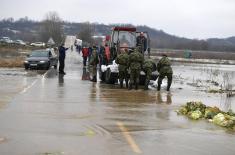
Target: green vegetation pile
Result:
[[198, 110]]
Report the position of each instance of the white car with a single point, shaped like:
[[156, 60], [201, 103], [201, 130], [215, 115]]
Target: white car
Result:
[[6, 40], [38, 44], [20, 42]]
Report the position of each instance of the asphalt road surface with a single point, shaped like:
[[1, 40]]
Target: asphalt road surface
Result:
[[68, 115]]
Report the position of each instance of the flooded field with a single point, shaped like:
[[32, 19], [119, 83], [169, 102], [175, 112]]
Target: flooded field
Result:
[[202, 82]]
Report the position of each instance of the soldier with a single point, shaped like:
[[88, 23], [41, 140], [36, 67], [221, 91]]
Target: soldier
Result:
[[135, 62], [122, 60], [149, 66], [164, 69], [93, 62]]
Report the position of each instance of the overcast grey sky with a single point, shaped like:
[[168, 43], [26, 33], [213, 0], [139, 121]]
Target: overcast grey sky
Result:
[[186, 18]]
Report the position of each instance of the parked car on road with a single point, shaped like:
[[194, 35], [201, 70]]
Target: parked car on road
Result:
[[41, 59], [38, 44]]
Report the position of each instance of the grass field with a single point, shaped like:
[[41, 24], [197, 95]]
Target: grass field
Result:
[[12, 62], [13, 55]]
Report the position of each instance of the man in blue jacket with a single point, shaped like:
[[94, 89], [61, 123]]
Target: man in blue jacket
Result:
[[62, 55]]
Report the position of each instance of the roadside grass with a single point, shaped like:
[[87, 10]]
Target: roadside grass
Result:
[[12, 62]]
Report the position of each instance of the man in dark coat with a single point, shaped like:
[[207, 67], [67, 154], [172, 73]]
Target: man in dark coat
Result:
[[62, 55], [141, 42]]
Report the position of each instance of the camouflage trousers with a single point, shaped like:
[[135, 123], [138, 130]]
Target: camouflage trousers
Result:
[[123, 75], [169, 80], [148, 72], [93, 70], [134, 76]]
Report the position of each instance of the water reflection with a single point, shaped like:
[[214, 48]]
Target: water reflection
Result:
[[85, 74], [51, 73], [160, 97], [61, 80], [227, 104]]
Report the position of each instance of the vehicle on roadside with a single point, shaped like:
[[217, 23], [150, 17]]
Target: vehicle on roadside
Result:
[[122, 38], [38, 44], [41, 59], [6, 40], [19, 42]]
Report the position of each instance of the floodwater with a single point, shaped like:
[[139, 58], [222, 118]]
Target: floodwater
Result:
[[68, 115], [193, 81], [14, 81]]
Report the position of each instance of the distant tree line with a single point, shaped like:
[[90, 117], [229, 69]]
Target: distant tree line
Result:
[[29, 30], [53, 26]]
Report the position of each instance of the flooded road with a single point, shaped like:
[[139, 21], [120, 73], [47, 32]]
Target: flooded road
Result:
[[65, 115], [14, 81]]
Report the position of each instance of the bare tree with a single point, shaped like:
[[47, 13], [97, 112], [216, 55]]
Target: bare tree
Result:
[[86, 32], [51, 26]]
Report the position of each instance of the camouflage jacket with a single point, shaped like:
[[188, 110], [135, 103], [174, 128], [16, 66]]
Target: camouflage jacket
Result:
[[94, 58], [136, 60], [122, 60], [164, 66], [148, 64]]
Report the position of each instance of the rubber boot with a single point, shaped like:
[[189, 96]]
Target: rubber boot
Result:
[[126, 83], [158, 87], [94, 79], [121, 84], [136, 86], [146, 85], [168, 86], [130, 86]]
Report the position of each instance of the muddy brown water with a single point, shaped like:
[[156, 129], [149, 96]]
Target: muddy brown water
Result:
[[69, 115]]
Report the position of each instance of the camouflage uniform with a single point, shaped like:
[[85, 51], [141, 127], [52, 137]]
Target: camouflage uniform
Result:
[[164, 69], [135, 63], [93, 63], [148, 68], [122, 60]]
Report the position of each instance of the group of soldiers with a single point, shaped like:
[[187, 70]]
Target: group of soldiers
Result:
[[133, 63]]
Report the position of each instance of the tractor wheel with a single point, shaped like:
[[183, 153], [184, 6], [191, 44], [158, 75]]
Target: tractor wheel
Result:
[[109, 78], [102, 76]]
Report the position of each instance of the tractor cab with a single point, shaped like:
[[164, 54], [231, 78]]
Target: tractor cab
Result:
[[122, 38]]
